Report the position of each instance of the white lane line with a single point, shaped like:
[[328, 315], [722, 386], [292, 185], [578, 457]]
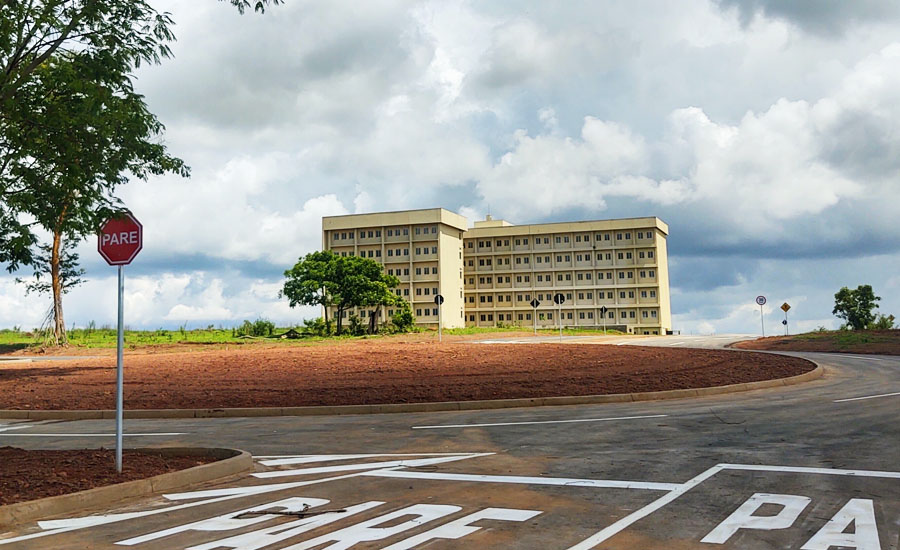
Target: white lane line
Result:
[[23, 425], [308, 459], [641, 513], [859, 357], [93, 435], [867, 397], [676, 343], [805, 470], [538, 422], [368, 466], [558, 481]]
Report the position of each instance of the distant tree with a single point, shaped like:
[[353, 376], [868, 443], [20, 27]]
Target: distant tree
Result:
[[56, 272], [856, 307], [311, 281], [326, 279]]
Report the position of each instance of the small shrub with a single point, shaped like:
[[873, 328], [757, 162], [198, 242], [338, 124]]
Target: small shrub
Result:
[[356, 327], [260, 327], [318, 327], [882, 322], [403, 319]]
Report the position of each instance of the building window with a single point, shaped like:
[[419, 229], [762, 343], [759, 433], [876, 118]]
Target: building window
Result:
[[628, 255], [406, 231], [621, 256], [628, 236], [419, 312], [622, 294], [434, 250], [568, 258], [650, 254], [631, 294], [643, 294], [653, 314], [651, 273], [418, 292], [525, 241], [621, 274], [565, 240], [433, 229], [527, 278], [653, 294], [644, 314], [558, 240]]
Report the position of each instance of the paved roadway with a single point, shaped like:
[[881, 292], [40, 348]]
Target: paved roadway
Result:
[[812, 467]]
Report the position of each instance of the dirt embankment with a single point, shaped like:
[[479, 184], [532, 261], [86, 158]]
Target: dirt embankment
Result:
[[880, 342], [29, 475], [376, 372]]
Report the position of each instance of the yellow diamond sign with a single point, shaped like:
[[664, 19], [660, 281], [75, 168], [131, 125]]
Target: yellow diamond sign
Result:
[[785, 307]]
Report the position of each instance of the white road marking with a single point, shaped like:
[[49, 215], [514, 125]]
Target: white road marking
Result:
[[538, 422], [93, 435], [307, 459], [867, 397], [805, 470], [557, 481], [641, 513], [367, 466], [675, 343], [861, 357], [65, 525], [22, 425]]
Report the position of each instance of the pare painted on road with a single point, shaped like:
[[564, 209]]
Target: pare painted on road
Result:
[[311, 513], [755, 506]]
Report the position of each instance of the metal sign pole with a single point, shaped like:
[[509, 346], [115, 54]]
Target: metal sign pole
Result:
[[762, 321], [559, 311], [786, 331], [120, 340], [535, 321], [440, 325]]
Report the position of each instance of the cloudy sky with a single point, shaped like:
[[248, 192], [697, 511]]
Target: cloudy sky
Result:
[[764, 132]]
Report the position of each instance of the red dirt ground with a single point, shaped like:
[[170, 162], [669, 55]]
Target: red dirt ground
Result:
[[877, 342], [375, 372], [29, 475]]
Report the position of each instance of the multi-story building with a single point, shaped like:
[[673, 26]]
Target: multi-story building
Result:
[[611, 273], [422, 248]]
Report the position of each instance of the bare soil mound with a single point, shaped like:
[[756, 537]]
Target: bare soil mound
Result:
[[377, 372], [879, 342], [29, 475]]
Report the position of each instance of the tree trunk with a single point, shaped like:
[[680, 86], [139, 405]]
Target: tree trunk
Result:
[[340, 319], [372, 320], [59, 324]]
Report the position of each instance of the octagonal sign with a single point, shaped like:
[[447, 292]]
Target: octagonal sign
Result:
[[120, 239]]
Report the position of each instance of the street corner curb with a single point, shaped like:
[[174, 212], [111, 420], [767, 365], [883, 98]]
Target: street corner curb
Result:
[[439, 406], [231, 462]]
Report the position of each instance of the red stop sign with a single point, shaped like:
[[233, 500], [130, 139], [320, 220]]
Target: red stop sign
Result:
[[120, 239]]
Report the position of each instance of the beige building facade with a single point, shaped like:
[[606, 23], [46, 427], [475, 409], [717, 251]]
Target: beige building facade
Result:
[[611, 273]]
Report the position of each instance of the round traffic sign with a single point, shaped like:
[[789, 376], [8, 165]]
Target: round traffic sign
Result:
[[120, 239], [761, 300], [438, 299], [558, 298]]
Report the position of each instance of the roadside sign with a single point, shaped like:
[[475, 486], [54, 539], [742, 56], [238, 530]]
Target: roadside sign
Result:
[[784, 322], [438, 300], [603, 310], [120, 239], [535, 303], [559, 298], [785, 307], [761, 300]]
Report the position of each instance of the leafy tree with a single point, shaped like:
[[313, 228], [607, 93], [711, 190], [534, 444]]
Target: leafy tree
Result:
[[856, 306], [71, 125], [326, 279], [311, 281]]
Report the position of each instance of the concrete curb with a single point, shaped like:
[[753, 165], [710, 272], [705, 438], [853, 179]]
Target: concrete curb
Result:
[[817, 372], [231, 462]]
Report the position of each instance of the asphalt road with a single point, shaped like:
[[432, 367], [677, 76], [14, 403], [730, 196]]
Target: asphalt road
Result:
[[812, 467]]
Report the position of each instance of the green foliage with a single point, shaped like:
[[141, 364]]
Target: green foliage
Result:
[[69, 273], [856, 307], [344, 282], [403, 319], [260, 327], [883, 322], [318, 327], [356, 326]]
